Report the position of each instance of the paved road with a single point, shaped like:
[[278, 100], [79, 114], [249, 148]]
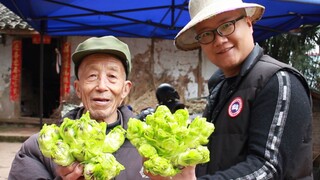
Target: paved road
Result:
[[7, 153]]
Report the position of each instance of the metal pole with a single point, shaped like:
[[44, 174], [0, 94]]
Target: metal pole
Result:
[[172, 13], [41, 79]]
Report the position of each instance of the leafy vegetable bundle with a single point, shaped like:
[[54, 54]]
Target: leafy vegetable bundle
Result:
[[84, 140], [169, 142]]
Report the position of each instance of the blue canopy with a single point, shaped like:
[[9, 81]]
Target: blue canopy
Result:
[[147, 18]]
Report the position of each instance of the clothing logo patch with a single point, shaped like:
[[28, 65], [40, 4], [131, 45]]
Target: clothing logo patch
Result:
[[235, 107]]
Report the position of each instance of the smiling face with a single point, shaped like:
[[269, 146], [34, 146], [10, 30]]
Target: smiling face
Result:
[[229, 52], [102, 86]]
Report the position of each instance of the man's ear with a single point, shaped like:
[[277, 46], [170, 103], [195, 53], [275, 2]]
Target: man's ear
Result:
[[77, 88], [249, 21], [126, 89]]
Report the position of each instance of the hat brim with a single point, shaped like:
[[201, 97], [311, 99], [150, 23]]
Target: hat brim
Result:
[[185, 39]]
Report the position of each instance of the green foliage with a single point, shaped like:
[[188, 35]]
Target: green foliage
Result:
[[295, 48]]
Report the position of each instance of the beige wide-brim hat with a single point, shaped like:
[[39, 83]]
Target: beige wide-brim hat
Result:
[[201, 10]]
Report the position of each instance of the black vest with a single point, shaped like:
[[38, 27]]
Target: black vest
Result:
[[255, 73]]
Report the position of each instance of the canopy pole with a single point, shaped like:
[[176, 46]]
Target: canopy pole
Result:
[[41, 76], [172, 13]]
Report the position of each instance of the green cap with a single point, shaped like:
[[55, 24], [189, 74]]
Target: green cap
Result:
[[105, 44]]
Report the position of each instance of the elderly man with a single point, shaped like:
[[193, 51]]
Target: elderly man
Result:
[[102, 67]]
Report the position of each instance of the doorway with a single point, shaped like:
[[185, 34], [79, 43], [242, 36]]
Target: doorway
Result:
[[30, 79]]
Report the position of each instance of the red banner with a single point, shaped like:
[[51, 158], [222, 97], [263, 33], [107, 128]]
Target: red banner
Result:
[[16, 70], [36, 39], [65, 71]]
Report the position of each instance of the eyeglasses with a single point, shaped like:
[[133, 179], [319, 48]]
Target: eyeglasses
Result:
[[224, 29]]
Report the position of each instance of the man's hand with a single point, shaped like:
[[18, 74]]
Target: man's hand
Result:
[[72, 172], [187, 173]]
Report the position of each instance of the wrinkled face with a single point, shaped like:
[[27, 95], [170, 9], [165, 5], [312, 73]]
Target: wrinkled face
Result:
[[102, 86], [228, 52]]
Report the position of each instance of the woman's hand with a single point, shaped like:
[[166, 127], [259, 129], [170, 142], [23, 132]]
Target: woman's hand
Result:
[[72, 172]]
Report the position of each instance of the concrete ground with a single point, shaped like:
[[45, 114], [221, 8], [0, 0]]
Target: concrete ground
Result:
[[11, 138], [7, 153]]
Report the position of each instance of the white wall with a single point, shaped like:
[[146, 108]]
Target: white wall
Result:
[[6, 106]]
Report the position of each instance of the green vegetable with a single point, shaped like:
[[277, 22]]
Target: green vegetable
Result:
[[103, 166], [169, 142], [61, 153], [84, 140], [49, 135], [160, 165], [114, 139]]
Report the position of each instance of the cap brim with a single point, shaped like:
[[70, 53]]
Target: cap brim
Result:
[[78, 56]]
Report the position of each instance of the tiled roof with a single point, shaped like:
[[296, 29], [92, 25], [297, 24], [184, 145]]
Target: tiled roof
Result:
[[10, 21]]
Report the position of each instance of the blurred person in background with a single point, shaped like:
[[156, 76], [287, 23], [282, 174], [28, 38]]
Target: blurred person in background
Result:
[[166, 95]]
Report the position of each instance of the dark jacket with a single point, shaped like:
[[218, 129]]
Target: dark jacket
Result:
[[262, 121], [29, 163]]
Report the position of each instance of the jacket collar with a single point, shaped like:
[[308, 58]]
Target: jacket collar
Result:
[[251, 60]]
